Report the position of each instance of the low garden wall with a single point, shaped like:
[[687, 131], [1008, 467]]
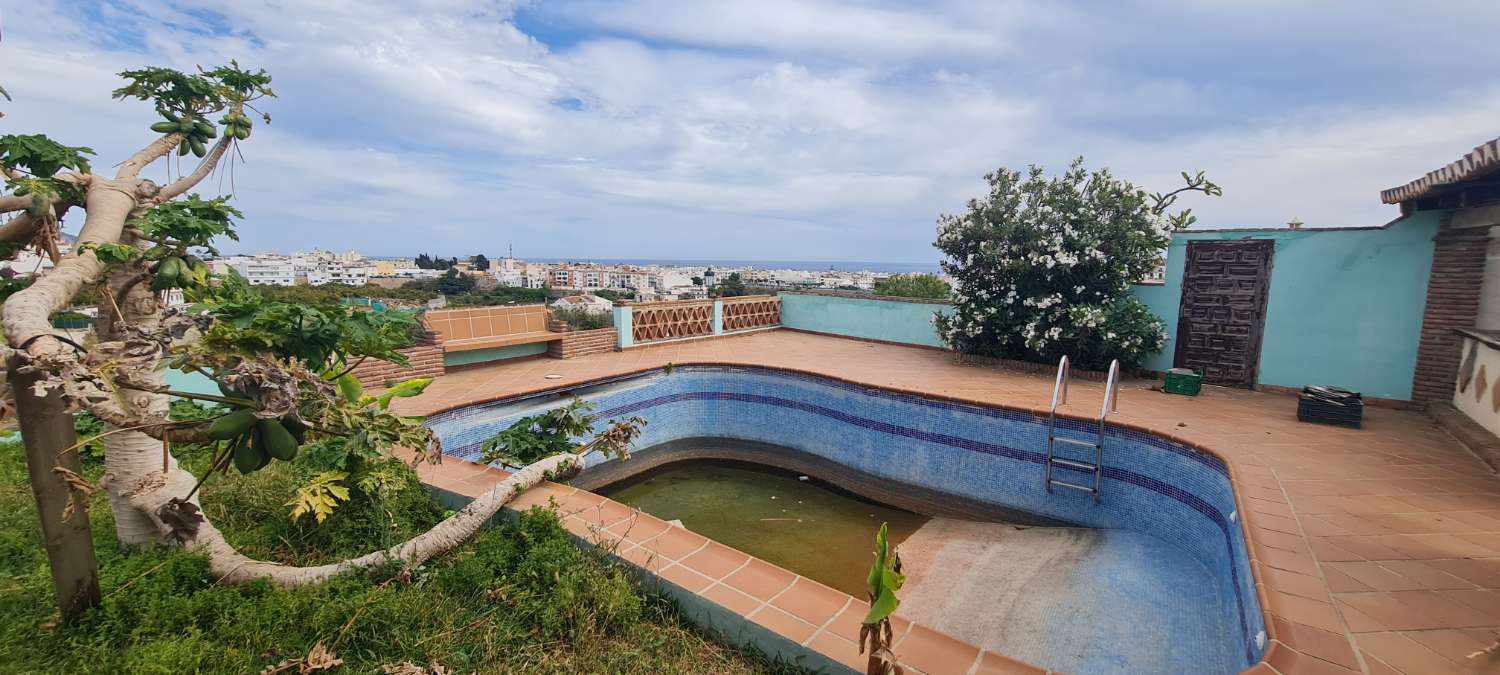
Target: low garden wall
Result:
[[575, 343], [869, 317], [425, 358]]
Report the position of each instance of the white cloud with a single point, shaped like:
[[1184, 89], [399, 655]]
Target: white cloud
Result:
[[732, 129]]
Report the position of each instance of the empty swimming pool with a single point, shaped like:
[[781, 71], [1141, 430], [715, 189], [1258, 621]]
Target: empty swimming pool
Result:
[[1153, 577]]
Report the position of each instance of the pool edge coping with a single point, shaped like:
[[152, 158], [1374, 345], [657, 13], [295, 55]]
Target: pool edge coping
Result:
[[1233, 471]]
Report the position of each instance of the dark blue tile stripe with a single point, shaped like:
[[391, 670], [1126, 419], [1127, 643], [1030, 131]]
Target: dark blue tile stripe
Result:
[[1189, 499]]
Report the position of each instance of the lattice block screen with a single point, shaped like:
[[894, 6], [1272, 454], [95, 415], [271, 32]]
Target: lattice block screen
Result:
[[672, 321], [748, 314]]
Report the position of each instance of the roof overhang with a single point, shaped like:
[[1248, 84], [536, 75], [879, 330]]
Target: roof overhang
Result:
[[1480, 162]]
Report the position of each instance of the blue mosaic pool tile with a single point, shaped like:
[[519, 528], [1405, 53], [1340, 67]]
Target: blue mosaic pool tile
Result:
[[1150, 485]]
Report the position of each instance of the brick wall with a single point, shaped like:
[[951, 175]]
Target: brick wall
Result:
[[426, 359], [1452, 302], [575, 343]]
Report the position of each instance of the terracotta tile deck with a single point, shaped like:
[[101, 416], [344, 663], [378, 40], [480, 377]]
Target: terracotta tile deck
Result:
[[1375, 550]]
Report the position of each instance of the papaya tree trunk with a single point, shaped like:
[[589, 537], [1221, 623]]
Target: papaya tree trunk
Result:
[[46, 431], [131, 456]]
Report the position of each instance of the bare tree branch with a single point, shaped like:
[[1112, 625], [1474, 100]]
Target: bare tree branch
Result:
[[158, 148], [25, 317], [10, 203], [205, 167]]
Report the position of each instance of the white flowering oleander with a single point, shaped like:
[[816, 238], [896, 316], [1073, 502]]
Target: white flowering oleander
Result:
[[1045, 267]]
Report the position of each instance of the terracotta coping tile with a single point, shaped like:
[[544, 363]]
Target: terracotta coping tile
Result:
[[1327, 645], [812, 602], [1289, 661], [1338, 582], [935, 653], [1483, 572], [1303, 610], [847, 623], [643, 558], [1277, 523], [1485, 602], [689, 580], [1354, 548], [676, 543], [545, 495], [1292, 583], [1287, 542], [716, 560], [730, 599], [605, 513], [1405, 654], [839, 649], [1286, 560], [991, 663], [640, 527], [785, 625], [1457, 645], [761, 580], [578, 501]]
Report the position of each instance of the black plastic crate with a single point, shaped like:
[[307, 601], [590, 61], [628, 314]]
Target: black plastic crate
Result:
[[1331, 405]]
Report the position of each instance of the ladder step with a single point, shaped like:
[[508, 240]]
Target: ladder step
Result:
[[1082, 466], [1075, 441], [1075, 486]]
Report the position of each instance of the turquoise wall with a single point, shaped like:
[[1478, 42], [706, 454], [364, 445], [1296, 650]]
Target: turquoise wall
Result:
[[493, 354], [888, 320], [1345, 306], [192, 383]]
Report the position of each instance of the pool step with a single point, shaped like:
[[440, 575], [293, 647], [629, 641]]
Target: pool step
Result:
[[1060, 395]]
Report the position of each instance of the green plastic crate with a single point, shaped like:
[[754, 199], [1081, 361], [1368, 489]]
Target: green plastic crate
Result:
[[1183, 381]]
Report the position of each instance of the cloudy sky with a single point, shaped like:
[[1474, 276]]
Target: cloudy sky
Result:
[[768, 129]]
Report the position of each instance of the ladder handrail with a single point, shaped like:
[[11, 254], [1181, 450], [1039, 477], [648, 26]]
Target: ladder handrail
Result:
[[1111, 403], [1111, 392], [1061, 385]]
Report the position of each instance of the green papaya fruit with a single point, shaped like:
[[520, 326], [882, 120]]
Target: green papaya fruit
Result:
[[164, 127], [233, 425], [204, 129], [185, 125], [248, 455], [169, 270], [277, 440], [183, 148], [198, 148], [297, 428]]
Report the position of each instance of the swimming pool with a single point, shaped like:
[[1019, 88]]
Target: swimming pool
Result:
[[1155, 492]]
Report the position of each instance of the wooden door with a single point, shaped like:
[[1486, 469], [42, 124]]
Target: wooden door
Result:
[[1224, 289]]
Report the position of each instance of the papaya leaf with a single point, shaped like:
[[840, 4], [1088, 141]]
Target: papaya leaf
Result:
[[350, 387], [405, 389]]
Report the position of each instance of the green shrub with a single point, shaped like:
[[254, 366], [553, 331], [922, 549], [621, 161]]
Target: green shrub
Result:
[[913, 286], [522, 597]]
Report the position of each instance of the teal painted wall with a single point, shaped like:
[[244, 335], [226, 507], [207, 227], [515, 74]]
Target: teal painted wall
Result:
[[192, 383], [888, 320], [1345, 306], [493, 354]]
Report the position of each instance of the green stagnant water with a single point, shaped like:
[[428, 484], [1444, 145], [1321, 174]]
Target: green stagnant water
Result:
[[805, 527]]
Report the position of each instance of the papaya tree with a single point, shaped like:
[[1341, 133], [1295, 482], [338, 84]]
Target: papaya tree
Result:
[[283, 369]]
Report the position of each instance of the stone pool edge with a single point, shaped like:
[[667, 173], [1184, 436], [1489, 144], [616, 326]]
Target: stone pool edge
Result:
[[739, 598], [1237, 482]]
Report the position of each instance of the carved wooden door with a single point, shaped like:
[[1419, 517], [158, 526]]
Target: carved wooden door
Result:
[[1224, 289]]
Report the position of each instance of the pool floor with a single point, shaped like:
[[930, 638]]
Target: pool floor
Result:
[[820, 533], [1076, 600]]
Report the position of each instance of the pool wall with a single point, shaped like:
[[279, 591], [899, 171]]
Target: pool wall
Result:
[[1171, 491]]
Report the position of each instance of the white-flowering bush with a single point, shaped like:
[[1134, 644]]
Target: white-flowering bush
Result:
[[1043, 266]]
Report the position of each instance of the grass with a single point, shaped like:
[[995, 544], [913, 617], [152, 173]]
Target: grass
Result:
[[519, 598]]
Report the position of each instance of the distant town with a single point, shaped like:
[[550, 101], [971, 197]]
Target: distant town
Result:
[[641, 282]]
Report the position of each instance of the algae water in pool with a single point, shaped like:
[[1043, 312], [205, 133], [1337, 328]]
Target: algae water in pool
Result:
[[822, 534], [1165, 561]]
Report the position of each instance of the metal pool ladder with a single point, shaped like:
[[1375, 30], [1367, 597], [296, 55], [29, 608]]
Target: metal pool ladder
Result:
[[1060, 397]]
